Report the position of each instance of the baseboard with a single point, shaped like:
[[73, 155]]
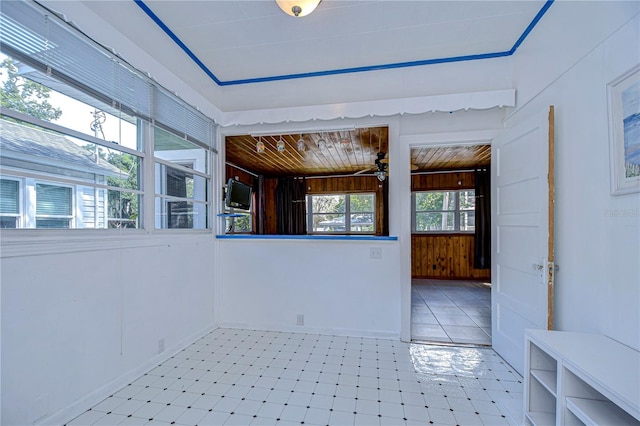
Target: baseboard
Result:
[[348, 332], [83, 404]]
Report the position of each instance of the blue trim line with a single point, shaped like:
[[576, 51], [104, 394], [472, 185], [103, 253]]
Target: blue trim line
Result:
[[175, 38], [306, 237], [533, 23], [206, 70], [367, 68]]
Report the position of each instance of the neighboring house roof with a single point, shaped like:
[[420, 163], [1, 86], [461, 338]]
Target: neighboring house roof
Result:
[[48, 147]]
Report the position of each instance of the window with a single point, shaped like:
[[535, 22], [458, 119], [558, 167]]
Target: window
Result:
[[444, 211], [341, 213], [53, 206], [87, 123], [182, 182], [9, 203], [239, 223]]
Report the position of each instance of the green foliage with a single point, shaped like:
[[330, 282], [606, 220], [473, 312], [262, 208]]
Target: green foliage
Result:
[[123, 206], [26, 96], [362, 203], [330, 211], [240, 223], [328, 204], [435, 211]]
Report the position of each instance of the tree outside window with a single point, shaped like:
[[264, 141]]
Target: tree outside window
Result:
[[341, 213], [444, 211]]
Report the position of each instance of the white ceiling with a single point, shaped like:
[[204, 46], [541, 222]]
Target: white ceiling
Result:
[[238, 40]]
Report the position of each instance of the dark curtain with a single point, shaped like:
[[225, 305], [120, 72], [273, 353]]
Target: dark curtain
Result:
[[290, 206], [260, 209], [482, 252], [385, 207]]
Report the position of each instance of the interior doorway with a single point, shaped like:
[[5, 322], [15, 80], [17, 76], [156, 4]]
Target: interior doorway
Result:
[[451, 311], [450, 245]]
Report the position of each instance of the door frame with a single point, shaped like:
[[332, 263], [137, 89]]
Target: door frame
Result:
[[400, 158]]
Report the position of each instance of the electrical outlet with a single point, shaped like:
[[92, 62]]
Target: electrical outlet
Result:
[[300, 319], [160, 346], [375, 252]]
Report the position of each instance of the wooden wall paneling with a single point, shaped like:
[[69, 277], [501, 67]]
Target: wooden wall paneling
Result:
[[452, 255], [244, 177], [442, 181], [463, 258], [415, 264], [270, 185], [427, 254]]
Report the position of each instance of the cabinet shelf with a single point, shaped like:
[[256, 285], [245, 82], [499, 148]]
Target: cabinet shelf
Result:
[[538, 418], [580, 378], [546, 378], [595, 412]]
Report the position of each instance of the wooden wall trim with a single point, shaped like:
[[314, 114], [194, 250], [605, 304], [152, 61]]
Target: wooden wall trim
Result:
[[442, 181]]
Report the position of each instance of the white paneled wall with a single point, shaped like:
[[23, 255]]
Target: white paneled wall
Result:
[[597, 235], [77, 323], [335, 285]]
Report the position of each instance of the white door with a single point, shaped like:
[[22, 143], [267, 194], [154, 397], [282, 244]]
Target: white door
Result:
[[522, 235]]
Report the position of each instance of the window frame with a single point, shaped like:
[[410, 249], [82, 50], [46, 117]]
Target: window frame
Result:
[[71, 217], [347, 213], [48, 177], [19, 202], [456, 212], [162, 199]]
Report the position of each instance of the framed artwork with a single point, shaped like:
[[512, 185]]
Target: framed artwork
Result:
[[624, 132]]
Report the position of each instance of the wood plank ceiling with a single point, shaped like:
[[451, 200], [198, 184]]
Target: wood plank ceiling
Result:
[[451, 157], [344, 152], [325, 153]]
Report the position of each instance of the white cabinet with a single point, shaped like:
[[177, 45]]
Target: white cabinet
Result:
[[580, 379]]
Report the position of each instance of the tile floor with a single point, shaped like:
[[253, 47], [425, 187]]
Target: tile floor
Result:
[[246, 377], [450, 311]]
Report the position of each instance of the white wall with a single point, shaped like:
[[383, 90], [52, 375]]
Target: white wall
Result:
[[441, 79], [80, 318], [265, 284], [597, 235]]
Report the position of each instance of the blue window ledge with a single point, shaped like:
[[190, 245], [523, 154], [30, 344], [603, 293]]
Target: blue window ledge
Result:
[[307, 237]]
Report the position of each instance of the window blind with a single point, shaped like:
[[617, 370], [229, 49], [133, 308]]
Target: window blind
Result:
[[53, 200], [174, 115], [9, 196], [38, 37]]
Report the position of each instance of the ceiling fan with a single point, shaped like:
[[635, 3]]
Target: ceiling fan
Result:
[[381, 167], [413, 166]]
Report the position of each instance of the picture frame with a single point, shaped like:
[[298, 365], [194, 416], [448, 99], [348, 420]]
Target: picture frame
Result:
[[624, 132]]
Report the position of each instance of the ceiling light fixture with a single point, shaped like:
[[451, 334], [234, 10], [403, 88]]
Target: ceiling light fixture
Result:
[[280, 146], [298, 8], [301, 144], [260, 146]]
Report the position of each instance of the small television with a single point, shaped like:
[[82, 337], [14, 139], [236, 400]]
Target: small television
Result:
[[238, 195]]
